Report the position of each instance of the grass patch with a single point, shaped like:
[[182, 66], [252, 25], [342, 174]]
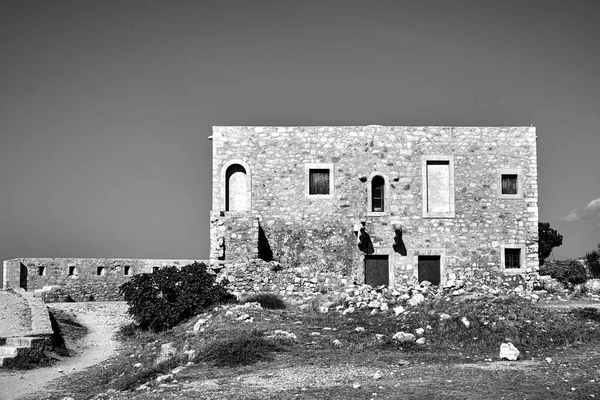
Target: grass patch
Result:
[[267, 300], [242, 349], [587, 314]]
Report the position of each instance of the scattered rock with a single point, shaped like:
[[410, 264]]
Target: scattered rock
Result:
[[403, 337], [164, 378], [444, 317], [398, 310], [356, 386], [243, 317], [377, 375], [337, 343], [137, 365], [465, 322], [167, 351], [198, 324], [421, 341], [419, 331], [509, 351], [283, 335], [416, 299], [359, 329]]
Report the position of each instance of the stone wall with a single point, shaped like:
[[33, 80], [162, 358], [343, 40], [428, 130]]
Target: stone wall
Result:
[[320, 233], [78, 279]]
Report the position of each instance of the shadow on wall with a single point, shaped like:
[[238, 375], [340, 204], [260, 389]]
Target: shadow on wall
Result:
[[399, 246], [265, 252]]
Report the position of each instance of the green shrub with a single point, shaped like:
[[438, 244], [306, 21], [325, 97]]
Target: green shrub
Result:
[[267, 300], [569, 272], [593, 262], [242, 349], [587, 313], [169, 296]]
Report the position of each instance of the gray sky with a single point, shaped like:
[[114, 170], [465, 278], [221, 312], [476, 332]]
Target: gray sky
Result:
[[106, 106]]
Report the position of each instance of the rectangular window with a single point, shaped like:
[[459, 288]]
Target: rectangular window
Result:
[[41, 271], [510, 184], [155, 269], [512, 258], [100, 271], [318, 181], [438, 187], [127, 270], [72, 271]]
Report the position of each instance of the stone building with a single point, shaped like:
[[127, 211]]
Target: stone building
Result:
[[375, 204]]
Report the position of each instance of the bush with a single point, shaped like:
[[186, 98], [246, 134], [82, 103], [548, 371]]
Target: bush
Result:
[[242, 349], [593, 262], [569, 272], [267, 300], [169, 296]]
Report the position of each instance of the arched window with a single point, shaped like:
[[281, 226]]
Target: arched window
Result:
[[377, 194], [236, 189]]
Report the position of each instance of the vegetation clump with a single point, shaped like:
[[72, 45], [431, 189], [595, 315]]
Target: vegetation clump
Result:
[[267, 300], [241, 349], [161, 300], [569, 272]]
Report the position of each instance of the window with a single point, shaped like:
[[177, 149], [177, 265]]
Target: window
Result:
[[100, 271], [127, 270], [438, 187], [377, 194], [155, 269], [41, 271], [510, 185], [72, 271], [512, 258], [319, 180]]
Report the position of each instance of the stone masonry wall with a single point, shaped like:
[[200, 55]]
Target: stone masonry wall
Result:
[[84, 284], [319, 234]]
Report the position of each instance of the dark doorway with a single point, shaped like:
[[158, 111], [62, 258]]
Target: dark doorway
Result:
[[429, 269], [23, 277], [377, 270]]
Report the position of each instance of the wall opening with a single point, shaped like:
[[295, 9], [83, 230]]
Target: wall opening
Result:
[[429, 269], [512, 258], [155, 269], [23, 277], [127, 270], [236, 189], [510, 184], [100, 271], [41, 271], [72, 271], [377, 271], [377, 194], [318, 181], [438, 187]]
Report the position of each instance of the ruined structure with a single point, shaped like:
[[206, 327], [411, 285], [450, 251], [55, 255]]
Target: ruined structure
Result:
[[373, 204]]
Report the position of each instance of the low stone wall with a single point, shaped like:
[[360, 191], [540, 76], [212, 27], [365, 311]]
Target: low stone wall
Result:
[[78, 279]]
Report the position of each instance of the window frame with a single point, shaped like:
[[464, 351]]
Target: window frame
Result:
[[510, 171], [522, 257], [386, 191], [424, 187], [324, 166]]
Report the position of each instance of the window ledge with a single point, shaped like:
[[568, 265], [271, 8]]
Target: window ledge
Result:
[[514, 271], [377, 213], [440, 215], [510, 196], [319, 196]]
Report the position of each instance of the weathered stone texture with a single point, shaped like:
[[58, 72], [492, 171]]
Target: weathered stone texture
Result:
[[318, 233]]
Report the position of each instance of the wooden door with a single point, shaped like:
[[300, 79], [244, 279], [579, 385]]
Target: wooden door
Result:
[[377, 270], [429, 269]]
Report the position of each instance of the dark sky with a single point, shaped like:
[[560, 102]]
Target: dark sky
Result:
[[106, 106]]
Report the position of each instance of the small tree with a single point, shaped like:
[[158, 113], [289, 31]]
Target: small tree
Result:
[[171, 295], [593, 262], [548, 239], [568, 272]]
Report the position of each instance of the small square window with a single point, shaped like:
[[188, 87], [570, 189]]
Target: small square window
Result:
[[72, 271], [41, 271], [512, 258], [510, 184], [318, 181], [155, 269], [100, 271], [127, 270]]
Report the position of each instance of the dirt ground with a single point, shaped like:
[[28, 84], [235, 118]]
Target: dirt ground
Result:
[[102, 320], [564, 373]]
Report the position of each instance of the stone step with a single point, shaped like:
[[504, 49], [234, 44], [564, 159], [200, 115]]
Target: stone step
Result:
[[9, 351], [23, 341]]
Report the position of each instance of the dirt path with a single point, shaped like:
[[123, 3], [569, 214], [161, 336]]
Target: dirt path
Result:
[[102, 320]]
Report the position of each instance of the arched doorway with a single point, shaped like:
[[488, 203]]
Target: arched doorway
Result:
[[237, 197]]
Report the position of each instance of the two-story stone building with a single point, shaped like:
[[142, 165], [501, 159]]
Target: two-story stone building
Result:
[[378, 204]]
